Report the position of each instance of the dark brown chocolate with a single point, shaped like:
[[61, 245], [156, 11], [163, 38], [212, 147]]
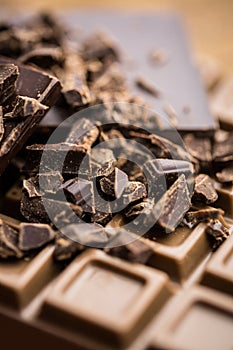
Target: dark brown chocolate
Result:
[[217, 233], [34, 84], [9, 74], [9, 242], [66, 248], [204, 189], [34, 236], [25, 107], [83, 132], [225, 175]]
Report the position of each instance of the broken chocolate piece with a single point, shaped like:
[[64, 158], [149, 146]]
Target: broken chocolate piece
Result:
[[193, 218], [32, 187], [225, 175], [34, 84], [143, 208], [34, 236], [1, 124], [73, 78], [66, 248], [9, 242], [223, 151], [162, 173], [36, 210], [169, 211], [92, 235], [100, 46], [199, 148], [102, 161], [8, 76], [83, 132], [80, 192], [217, 233], [204, 189], [115, 183], [129, 247], [64, 157], [134, 190], [25, 107]]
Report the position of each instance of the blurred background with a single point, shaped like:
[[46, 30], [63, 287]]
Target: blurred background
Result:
[[209, 21]]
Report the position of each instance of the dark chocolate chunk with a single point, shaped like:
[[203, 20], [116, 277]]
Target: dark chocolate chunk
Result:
[[64, 157], [50, 182], [225, 175], [193, 218], [200, 148], [80, 192], [110, 86], [115, 183], [73, 78], [217, 233], [100, 46], [169, 211], [83, 132], [129, 247], [223, 151], [102, 162], [143, 208], [44, 57], [25, 107], [92, 235], [34, 236], [32, 187], [147, 86], [62, 213], [134, 190], [1, 124], [8, 76], [162, 173], [9, 242], [31, 83], [204, 189], [66, 248]]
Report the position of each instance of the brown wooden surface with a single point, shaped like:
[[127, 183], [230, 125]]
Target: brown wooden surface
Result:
[[210, 21]]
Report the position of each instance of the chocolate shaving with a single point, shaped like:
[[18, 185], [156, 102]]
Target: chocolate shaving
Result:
[[44, 57], [83, 132], [147, 86]]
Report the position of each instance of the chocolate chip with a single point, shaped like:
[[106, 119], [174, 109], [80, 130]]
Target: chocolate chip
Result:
[[147, 86], [204, 189], [34, 236]]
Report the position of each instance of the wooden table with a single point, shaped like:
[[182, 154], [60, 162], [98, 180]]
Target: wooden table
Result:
[[210, 21]]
